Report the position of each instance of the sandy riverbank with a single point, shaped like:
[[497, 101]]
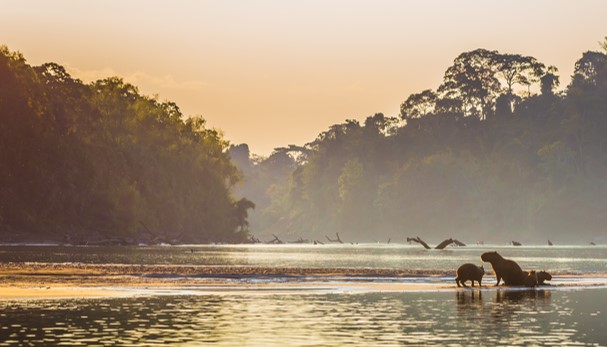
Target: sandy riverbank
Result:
[[74, 280], [28, 292]]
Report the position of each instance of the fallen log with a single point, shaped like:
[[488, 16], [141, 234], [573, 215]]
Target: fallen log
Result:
[[275, 241], [419, 240], [444, 244], [335, 240], [459, 243]]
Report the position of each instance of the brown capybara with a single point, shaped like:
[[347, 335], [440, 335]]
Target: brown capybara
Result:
[[469, 272], [530, 279], [543, 276], [505, 269]]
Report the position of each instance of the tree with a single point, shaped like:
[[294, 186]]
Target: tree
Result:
[[241, 208], [472, 80], [418, 105], [588, 67], [603, 44], [87, 163], [518, 69], [549, 81]]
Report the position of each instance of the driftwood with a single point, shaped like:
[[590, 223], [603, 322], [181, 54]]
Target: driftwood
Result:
[[516, 243], [148, 229], [300, 240], [165, 238], [335, 240], [316, 242], [253, 239], [155, 238], [592, 243], [441, 245], [549, 243], [444, 244], [275, 241], [389, 240], [459, 243], [418, 240]]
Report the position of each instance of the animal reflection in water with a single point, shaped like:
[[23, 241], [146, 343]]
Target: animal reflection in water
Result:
[[469, 299], [514, 296], [510, 303], [474, 300]]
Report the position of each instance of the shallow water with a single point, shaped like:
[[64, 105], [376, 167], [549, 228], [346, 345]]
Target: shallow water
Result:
[[491, 317], [558, 259], [334, 316]]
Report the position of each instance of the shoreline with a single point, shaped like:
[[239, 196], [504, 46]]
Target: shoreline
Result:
[[222, 271], [77, 280]]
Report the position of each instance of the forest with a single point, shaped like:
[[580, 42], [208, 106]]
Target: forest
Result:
[[100, 163], [495, 153]]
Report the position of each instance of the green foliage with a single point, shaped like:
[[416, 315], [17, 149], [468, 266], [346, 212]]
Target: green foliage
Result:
[[472, 79], [482, 158], [418, 105], [103, 163]]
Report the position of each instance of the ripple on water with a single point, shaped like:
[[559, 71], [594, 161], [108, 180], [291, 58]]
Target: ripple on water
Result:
[[378, 319]]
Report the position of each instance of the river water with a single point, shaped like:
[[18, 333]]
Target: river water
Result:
[[557, 259], [569, 316]]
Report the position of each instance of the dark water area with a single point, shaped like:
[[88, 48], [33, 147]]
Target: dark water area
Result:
[[495, 317], [558, 259]]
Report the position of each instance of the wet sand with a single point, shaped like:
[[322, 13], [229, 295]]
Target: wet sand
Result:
[[75, 280], [28, 292]]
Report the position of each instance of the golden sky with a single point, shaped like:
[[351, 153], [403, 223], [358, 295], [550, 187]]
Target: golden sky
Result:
[[278, 72]]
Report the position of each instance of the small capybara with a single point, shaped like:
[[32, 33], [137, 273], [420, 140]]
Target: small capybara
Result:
[[531, 279], [469, 272], [505, 269], [543, 276]]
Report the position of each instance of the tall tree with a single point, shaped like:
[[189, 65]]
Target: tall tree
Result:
[[472, 80], [418, 105]]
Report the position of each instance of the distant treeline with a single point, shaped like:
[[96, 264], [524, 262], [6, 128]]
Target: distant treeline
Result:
[[99, 162], [494, 153]]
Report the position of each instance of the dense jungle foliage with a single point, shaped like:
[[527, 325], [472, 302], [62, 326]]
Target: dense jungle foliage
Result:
[[101, 163], [497, 152]]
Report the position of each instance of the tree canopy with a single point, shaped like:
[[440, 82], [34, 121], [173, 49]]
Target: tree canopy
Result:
[[494, 153], [99, 162]]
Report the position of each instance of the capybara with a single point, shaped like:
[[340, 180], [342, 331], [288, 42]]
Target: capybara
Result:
[[505, 269], [543, 276], [469, 272], [531, 279]]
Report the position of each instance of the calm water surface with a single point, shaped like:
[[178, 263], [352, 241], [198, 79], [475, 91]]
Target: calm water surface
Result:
[[488, 317], [576, 259], [491, 317]]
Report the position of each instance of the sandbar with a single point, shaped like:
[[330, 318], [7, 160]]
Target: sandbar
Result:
[[77, 280]]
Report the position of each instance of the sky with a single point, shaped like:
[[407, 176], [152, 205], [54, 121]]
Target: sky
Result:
[[279, 72]]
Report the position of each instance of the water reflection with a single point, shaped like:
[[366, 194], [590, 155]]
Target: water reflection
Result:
[[517, 296], [377, 319], [469, 299], [393, 256]]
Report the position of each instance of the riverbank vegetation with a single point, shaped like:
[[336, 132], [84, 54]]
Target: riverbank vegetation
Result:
[[101, 163], [496, 152]]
